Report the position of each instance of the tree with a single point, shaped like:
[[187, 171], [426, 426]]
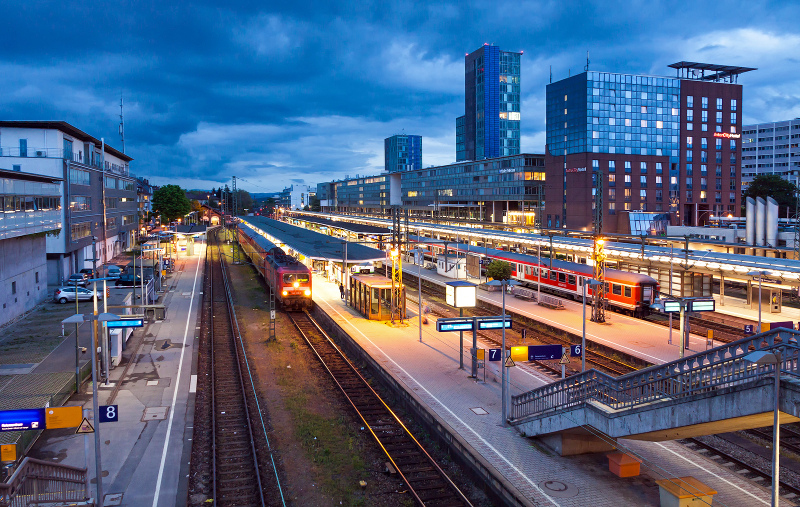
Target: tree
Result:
[[171, 203], [245, 201], [499, 270], [196, 206], [313, 203], [772, 185]]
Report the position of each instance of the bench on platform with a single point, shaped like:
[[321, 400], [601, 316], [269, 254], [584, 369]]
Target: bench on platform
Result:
[[552, 303], [523, 293]]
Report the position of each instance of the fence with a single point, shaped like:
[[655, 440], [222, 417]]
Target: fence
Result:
[[37, 482]]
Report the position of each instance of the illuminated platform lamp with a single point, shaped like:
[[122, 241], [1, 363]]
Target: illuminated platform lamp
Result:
[[461, 294]]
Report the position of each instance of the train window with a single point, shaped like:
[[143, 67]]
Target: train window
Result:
[[627, 292], [291, 278], [608, 287], [552, 275], [616, 289], [571, 279], [527, 270], [562, 277]]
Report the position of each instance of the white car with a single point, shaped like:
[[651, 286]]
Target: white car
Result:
[[65, 294]]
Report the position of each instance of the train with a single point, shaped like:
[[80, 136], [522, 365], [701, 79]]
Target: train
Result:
[[289, 278], [630, 293]]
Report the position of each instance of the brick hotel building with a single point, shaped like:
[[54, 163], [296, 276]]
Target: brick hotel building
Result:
[[647, 149]]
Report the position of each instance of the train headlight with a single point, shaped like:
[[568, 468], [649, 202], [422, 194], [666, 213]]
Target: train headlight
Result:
[[285, 293], [307, 292], [296, 284]]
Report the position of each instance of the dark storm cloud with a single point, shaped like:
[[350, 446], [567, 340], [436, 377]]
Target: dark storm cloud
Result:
[[307, 91]]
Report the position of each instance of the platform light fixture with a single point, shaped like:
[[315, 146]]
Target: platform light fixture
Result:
[[764, 358]]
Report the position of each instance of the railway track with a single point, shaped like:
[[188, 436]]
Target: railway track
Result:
[[244, 471], [763, 477], [427, 482], [601, 361]]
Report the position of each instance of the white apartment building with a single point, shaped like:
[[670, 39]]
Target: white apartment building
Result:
[[97, 190], [771, 148]]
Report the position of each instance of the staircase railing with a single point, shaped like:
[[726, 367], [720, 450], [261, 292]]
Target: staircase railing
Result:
[[36, 482], [712, 370]]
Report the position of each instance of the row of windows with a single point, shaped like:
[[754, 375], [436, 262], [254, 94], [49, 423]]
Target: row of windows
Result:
[[80, 230], [79, 177], [26, 203], [704, 116], [80, 203], [704, 102]]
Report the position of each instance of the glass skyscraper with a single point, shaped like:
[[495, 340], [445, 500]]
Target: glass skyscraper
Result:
[[490, 125], [403, 153]]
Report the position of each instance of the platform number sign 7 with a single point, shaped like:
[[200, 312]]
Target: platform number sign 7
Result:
[[108, 413], [494, 355]]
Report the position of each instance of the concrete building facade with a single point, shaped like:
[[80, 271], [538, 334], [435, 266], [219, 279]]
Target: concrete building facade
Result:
[[771, 148], [31, 209], [295, 196], [97, 189]]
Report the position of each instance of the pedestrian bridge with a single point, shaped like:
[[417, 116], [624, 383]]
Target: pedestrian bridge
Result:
[[712, 392]]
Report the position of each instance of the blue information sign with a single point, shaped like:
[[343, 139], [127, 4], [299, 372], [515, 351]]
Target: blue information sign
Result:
[[124, 323], [575, 350], [493, 322], [544, 352], [494, 355], [749, 329], [788, 324], [454, 324], [108, 413], [24, 419]]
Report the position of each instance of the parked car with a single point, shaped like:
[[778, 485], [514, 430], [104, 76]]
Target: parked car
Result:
[[89, 272], [128, 280], [113, 271], [77, 277], [65, 294]]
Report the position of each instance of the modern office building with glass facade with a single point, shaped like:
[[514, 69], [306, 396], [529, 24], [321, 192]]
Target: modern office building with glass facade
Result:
[[403, 153], [504, 189], [655, 144], [771, 148], [490, 125]]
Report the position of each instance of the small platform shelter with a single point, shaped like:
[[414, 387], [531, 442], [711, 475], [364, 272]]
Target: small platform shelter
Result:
[[371, 295]]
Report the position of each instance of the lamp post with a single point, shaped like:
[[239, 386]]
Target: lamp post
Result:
[[591, 283], [763, 358], [759, 274], [505, 376], [80, 318]]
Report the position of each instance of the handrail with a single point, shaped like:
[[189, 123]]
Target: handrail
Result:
[[37, 481], [714, 369]]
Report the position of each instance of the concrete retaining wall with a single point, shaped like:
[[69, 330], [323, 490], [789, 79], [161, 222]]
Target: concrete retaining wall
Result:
[[22, 260], [462, 451]]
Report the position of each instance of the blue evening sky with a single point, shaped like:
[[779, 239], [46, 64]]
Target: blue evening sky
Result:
[[302, 92]]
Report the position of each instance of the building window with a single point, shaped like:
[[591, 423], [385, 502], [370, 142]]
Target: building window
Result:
[[689, 142], [719, 116], [689, 115], [79, 177], [659, 182], [81, 230], [659, 168], [689, 155], [719, 104], [733, 104], [627, 167], [595, 164], [689, 195], [733, 144], [612, 194], [704, 116], [612, 180], [612, 166], [13, 287], [733, 117], [111, 182], [612, 208], [689, 126], [689, 101], [23, 147], [80, 203], [37, 277], [643, 181], [705, 102], [704, 127], [16, 168]]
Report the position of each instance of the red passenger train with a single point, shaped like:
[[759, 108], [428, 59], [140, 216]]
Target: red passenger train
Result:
[[631, 293], [289, 278]]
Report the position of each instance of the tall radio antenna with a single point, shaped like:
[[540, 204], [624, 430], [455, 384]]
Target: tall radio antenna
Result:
[[121, 125]]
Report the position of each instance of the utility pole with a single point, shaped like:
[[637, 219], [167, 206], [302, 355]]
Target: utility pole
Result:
[[599, 292], [395, 254]]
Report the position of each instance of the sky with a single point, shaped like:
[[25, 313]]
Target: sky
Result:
[[281, 93]]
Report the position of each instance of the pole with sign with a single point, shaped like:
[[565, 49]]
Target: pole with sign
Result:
[[462, 295], [687, 305]]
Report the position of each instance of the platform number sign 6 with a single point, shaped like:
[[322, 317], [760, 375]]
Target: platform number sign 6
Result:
[[575, 350], [108, 413], [494, 355]]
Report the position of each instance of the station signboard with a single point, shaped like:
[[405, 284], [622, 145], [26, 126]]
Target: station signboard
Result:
[[544, 352], [454, 325], [493, 322], [116, 324], [672, 306], [23, 419], [461, 294], [701, 305]]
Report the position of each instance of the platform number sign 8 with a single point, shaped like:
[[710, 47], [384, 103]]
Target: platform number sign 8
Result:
[[108, 413]]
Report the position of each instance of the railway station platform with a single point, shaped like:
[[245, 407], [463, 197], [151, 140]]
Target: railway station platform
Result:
[[429, 370], [739, 308], [145, 454], [637, 337]]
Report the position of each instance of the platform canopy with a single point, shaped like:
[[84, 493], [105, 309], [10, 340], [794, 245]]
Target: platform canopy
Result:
[[695, 70], [345, 226], [313, 245]]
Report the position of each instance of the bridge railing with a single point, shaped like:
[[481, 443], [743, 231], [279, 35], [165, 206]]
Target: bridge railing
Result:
[[708, 371], [37, 482]]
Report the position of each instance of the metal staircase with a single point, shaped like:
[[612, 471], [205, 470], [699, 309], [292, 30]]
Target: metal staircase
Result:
[[38, 482]]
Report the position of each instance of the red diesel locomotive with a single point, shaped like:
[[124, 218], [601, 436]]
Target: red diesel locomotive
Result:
[[631, 293], [289, 278]]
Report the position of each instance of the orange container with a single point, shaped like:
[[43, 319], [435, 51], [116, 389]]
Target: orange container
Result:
[[623, 465]]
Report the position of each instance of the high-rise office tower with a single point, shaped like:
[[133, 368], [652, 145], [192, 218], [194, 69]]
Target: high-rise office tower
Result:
[[636, 145], [490, 125], [403, 153]]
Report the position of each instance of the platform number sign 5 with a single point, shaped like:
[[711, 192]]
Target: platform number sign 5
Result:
[[494, 355], [108, 413]]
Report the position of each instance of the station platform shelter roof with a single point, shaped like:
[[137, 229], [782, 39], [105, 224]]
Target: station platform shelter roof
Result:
[[345, 226], [313, 245]]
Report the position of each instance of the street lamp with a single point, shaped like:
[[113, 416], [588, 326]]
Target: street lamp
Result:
[[763, 358], [591, 283], [759, 274], [80, 318], [505, 376]]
